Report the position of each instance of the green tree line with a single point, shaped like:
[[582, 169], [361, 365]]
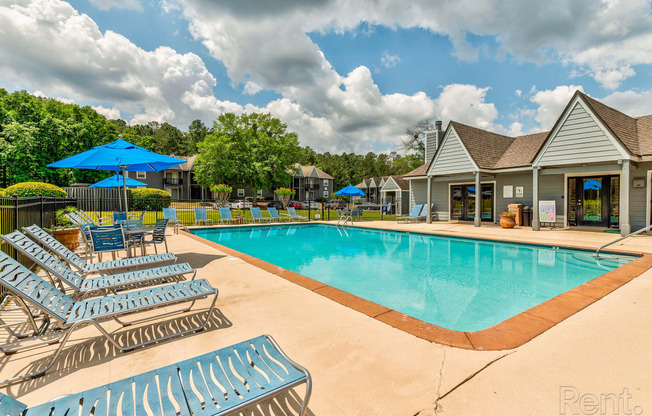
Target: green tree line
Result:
[[36, 131]]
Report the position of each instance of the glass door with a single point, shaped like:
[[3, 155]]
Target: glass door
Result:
[[470, 202], [457, 203], [594, 201]]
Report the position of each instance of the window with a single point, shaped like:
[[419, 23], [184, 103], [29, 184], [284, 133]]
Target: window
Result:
[[141, 175], [325, 194], [241, 192], [325, 182], [259, 193]]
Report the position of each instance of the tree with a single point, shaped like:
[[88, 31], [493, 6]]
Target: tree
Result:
[[414, 137], [254, 150], [197, 132]]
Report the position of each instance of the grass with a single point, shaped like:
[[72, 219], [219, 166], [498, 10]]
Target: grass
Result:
[[186, 214]]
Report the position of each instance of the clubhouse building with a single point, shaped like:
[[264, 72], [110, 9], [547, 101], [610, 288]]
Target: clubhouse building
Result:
[[593, 169]]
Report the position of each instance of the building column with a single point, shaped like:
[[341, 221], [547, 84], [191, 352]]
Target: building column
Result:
[[477, 221], [535, 199], [429, 200], [623, 206]]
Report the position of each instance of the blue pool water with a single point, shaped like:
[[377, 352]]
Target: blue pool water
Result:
[[456, 283]]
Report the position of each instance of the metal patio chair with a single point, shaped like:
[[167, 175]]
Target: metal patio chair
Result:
[[257, 215], [65, 314], [294, 216], [414, 215], [225, 216], [158, 236], [274, 215]]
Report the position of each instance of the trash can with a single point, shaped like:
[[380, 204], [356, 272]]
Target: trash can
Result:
[[527, 216], [517, 209]]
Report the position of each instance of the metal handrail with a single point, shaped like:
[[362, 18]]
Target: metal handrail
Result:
[[597, 252]]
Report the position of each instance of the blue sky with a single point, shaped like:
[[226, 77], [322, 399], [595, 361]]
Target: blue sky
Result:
[[346, 76]]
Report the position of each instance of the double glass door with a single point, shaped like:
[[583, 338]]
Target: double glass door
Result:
[[463, 202], [594, 201]]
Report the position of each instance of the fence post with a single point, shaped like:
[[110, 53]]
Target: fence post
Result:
[[15, 227], [42, 210], [309, 206]]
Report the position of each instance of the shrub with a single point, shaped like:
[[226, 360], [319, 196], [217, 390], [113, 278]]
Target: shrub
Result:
[[284, 195], [24, 189], [60, 220], [147, 199], [507, 214], [221, 192], [2, 192], [321, 199]]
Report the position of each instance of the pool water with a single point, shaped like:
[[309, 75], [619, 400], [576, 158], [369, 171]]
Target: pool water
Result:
[[456, 283]]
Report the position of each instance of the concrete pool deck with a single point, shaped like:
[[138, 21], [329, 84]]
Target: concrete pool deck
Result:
[[361, 366]]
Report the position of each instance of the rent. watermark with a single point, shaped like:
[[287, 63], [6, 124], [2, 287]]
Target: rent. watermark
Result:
[[573, 402]]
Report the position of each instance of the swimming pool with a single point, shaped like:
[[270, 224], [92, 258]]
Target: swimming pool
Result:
[[456, 283]]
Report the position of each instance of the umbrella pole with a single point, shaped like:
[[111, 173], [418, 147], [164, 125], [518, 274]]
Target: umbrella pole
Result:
[[124, 187]]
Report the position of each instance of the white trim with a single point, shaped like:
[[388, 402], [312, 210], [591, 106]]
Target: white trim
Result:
[[472, 183], [238, 193], [410, 178], [579, 100], [138, 172], [441, 146], [648, 199]]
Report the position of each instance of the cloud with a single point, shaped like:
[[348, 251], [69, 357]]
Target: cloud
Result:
[[632, 103], [551, 103], [47, 45], [389, 61], [110, 113], [252, 88], [117, 4]]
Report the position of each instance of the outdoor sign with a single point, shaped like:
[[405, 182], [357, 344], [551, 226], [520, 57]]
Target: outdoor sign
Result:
[[508, 191], [519, 192], [547, 211]]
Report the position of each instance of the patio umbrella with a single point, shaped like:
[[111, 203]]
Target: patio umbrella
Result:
[[350, 191], [117, 181], [122, 156]]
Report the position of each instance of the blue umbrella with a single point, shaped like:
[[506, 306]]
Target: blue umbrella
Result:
[[119, 155], [117, 181], [350, 191]]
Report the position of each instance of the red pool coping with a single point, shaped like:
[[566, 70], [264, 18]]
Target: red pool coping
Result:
[[508, 334]]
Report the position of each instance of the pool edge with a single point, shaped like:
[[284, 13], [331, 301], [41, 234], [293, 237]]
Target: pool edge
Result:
[[508, 334]]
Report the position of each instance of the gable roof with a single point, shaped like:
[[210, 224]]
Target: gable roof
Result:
[[486, 148], [400, 182], [621, 125], [310, 171], [420, 171], [644, 130], [522, 150]]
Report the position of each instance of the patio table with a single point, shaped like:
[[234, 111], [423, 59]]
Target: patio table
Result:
[[134, 231]]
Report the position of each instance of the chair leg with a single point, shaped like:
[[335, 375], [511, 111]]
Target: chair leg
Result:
[[166, 245]]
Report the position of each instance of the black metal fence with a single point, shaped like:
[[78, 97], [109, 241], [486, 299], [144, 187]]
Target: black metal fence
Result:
[[18, 212], [103, 208]]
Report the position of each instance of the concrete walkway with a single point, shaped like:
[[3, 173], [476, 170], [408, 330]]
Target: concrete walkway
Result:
[[361, 366]]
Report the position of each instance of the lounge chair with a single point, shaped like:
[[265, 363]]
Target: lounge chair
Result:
[[65, 315], [414, 215], [225, 216], [171, 215], [257, 215], [81, 285], [273, 214], [105, 267], [201, 217], [294, 216], [221, 382]]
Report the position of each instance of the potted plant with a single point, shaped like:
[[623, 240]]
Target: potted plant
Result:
[[63, 229], [507, 219]]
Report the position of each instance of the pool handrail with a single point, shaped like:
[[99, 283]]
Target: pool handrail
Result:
[[597, 252]]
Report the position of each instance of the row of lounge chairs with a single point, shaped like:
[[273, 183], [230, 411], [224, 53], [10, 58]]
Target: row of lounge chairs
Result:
[[78, 294]]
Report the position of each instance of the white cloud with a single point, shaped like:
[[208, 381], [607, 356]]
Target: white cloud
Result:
[[110, 113], [118, 4], [632, 103], [551, 103], [48, 45], [252, 88], [518, 93], [389, 61]]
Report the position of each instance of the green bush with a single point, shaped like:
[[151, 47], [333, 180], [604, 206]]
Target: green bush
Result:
[[321, 199], [61, 220], [24, 189], [146, 199], [2, 192]]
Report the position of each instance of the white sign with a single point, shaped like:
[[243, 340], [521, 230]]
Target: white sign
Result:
[[508, 191], [547, 211], [519, 192]]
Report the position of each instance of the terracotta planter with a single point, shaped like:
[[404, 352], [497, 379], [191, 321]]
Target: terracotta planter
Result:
[[507, 222], [69, 237]]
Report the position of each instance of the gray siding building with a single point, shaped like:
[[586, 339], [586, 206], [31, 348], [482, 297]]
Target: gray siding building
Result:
[[593, 169], [311, 183]]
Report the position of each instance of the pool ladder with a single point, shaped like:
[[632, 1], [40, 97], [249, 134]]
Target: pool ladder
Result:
[[597, 252], [341, 221]]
